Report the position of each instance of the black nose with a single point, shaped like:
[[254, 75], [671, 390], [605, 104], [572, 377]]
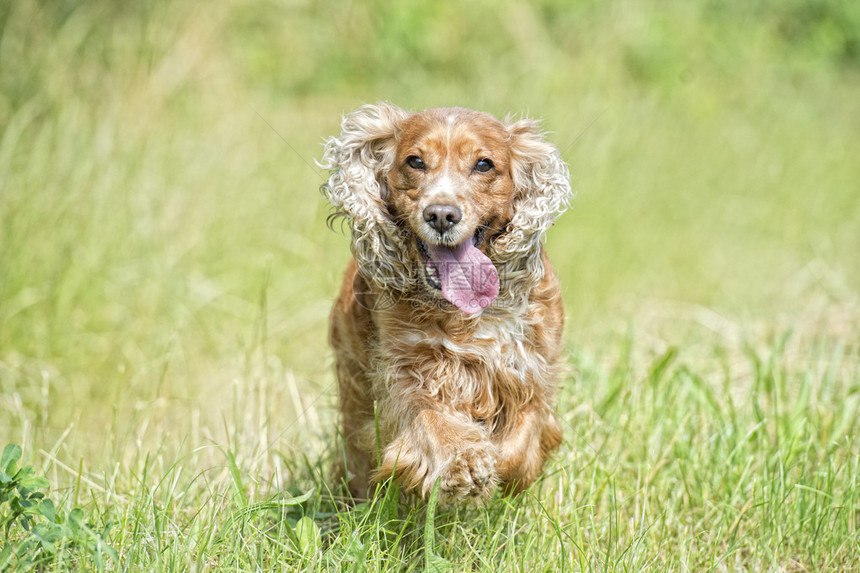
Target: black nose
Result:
[[442, 217]]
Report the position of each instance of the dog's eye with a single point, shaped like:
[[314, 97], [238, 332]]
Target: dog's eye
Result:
[[415, 162], [483, 165]]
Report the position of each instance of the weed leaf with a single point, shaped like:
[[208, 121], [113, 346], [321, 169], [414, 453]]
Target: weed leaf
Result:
[[432, 562], [11, 454]]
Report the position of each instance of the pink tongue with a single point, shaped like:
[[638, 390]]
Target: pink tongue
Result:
[[468, 278]]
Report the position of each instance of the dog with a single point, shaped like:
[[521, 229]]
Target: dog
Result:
[[447, 331]]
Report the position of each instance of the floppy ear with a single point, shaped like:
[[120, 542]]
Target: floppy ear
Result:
[[542, 193], [541, 181], [358, 159], [357, 162]]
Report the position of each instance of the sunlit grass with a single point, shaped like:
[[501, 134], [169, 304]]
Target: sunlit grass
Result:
[[166, 275]]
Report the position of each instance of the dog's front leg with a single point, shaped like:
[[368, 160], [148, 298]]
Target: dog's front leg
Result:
[[441, 445], [523, 445]]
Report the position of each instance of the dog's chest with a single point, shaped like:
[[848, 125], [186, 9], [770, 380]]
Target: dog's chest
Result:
[[498, 345], [498, 353]]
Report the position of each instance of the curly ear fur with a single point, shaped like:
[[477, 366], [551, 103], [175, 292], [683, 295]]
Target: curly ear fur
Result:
[[541, 181], [540, 177], [356, 161]]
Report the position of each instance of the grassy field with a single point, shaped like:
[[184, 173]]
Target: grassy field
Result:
[[166, 275]]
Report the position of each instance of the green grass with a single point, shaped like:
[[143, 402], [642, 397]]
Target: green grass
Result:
[[166, 275]]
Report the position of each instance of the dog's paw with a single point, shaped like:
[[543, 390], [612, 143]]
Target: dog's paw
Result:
[[470, 473], [466, 472], [442, 448]]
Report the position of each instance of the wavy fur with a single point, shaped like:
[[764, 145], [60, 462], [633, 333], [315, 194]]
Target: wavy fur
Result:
[[466, 399]]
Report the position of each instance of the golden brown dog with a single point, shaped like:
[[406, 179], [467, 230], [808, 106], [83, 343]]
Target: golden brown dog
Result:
[[447, 330]]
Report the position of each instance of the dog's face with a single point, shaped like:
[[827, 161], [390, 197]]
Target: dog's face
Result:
[[467, 190], [451, 178], [450, 185]]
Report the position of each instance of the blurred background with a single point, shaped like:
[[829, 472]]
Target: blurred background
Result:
[[165, 268]]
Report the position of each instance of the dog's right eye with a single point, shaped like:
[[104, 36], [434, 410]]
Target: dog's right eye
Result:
[[415, 162]]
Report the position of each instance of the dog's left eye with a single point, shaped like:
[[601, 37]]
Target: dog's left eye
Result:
[[415, 162], [483, 165]]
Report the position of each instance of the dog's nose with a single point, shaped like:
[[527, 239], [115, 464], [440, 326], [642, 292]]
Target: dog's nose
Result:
[[442, 217]]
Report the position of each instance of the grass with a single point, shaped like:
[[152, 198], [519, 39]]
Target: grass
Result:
[[166, 274]]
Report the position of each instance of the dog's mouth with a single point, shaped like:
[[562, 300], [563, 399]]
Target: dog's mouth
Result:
[[465, 275]]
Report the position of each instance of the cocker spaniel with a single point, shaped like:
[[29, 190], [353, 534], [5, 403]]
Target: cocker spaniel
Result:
[[447, 330]]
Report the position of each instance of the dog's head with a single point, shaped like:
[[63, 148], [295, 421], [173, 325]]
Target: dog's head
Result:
[[449, 197]]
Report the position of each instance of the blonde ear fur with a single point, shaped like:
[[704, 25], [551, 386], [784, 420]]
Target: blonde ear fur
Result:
[[357, 161], [542, 184]]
